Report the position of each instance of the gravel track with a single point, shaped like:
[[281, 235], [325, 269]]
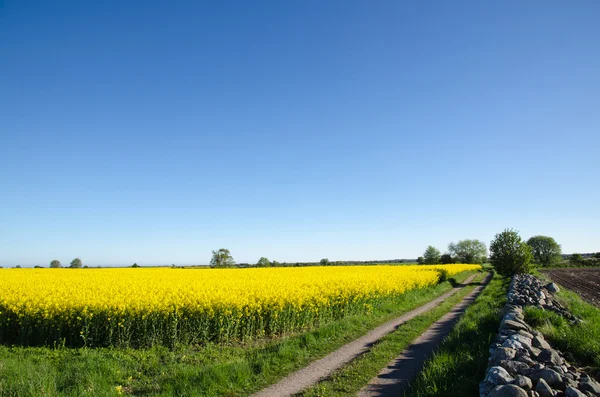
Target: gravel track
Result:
[[320, 369], [395, 378]]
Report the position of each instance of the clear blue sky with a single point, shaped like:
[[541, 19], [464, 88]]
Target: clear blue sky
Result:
[[155, 131]]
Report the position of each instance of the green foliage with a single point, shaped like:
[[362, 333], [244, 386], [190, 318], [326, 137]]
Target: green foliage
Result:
[[263, 262], [55, 263], [324, 262], [446, 259], [276, 264], [546, 251], [468, 251], [431, 255], [576, 259], [135, 265], [76, 263], [510, 254], [420, 260], [222, 258]]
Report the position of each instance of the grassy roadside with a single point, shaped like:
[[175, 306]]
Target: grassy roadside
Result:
[[582, 340], [459, 364], [212, 370], [352, 377]]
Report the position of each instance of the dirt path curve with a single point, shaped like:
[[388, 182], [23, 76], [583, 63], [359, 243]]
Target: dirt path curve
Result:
[[319, 369], [394, 379]]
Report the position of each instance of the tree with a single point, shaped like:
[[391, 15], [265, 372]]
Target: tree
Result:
[[324, 262], [431, 255], [222, 258], [276, 264], [76, 263], [55, 263], [263, 262], [509, 254], [135, 265], [420, 260], [576, 259], [546, 251], [596, 255], [446, 259], [468, 251]]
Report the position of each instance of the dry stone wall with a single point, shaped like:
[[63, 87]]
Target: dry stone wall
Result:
[[522, 363]]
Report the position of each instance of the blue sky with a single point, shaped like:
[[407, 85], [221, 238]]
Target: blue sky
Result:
[[154, 132]]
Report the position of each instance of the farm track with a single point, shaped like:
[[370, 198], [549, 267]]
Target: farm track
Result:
[[395, 378], [585, 282], [320, 369]]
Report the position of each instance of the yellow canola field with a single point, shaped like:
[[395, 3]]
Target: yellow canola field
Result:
[[133, 307]]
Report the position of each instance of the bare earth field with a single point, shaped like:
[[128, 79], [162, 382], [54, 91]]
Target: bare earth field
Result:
[[586, 282]]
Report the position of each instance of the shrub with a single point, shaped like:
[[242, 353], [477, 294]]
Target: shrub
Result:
[[510, 254]]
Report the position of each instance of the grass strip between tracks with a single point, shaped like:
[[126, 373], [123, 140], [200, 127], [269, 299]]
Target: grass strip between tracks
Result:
[[212, 370], [352, 377]]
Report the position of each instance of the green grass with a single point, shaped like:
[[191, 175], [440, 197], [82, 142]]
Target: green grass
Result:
[[583, 340], [459, 364], [352, 377], [211, 370]]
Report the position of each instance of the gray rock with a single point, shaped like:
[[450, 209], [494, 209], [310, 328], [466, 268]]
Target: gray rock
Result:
[[549, 376], [514, 324], [589, 385], [522, 339], [533, 393], [543, 389], [533, 351], [514, 367], [498, 375], [573, 392], [552, 287], [540, 342], [508, 391], [513, 344], [523, 382], [503, 353], [550, 356], [526, 359]]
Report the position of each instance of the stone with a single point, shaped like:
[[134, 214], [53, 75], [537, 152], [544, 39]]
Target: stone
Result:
[[589, 385], [521, 339], [514, 367], [503, 353], [513, 344], [550, 356], [523, 382], [533, 393], [540, 342], [507, 391], [552, 287], [498, 375], [526, 359], [573, 392], [543, 389], [514, 324], [533, 351], [549, 376]]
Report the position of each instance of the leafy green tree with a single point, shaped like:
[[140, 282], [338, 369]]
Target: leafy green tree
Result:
[[76, 263], [135, 265], [509, 254], [576, 259], [431, 255], [420, 260], [263, 262], [222, 258], [324, 262], [596, 255], [546, 251], [55, 264], [276, 264], [446, 259], [468, 251]]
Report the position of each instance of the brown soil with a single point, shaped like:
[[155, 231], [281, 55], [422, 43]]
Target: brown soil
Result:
[[585, 282]]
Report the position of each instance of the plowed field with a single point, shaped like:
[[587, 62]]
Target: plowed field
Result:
[[586, 282]]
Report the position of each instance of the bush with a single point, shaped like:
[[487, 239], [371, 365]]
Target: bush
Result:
[[510, 254]]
